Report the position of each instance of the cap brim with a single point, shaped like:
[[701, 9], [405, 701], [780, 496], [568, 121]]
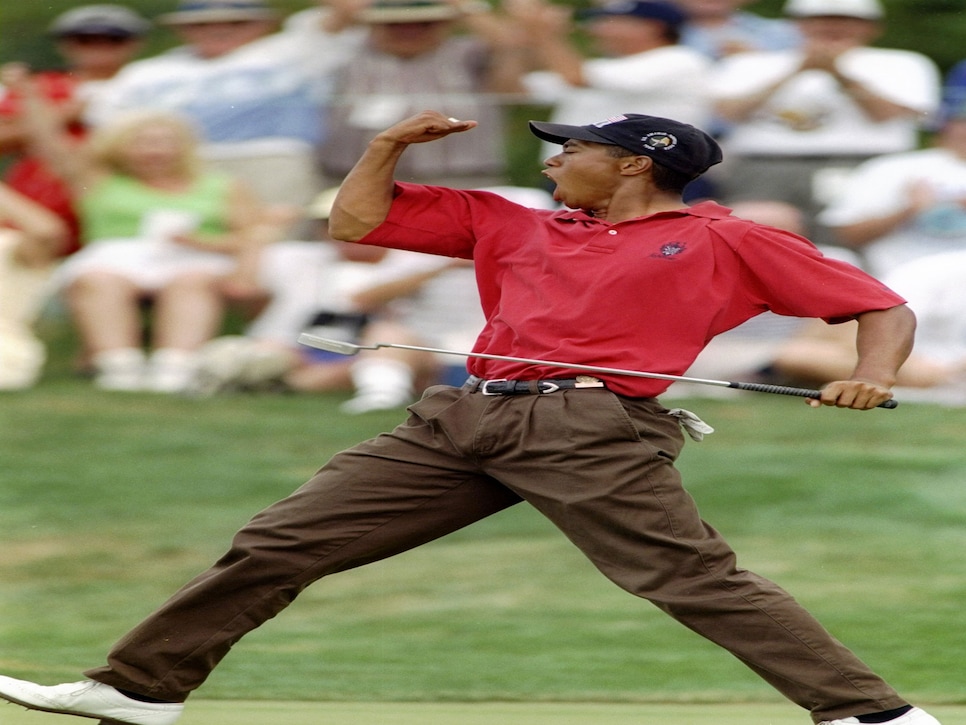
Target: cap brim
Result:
[[191, 17], [561, 133], [409, 15], [111, 31]]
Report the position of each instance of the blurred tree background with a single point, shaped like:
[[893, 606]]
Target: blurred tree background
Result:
[[934, 27]]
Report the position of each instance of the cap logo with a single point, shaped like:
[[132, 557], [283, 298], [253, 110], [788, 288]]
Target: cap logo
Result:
[[659, 140]]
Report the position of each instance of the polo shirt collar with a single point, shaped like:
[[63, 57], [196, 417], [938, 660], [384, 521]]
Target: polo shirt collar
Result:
[[707, 209]]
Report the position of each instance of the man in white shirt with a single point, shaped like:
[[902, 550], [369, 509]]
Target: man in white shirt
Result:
[[896, 208], [799, 116], [642, 68], [457, 57], [257, 95]]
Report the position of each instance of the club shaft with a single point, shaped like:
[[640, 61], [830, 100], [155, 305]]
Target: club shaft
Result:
[[753, 387], [348, 348]]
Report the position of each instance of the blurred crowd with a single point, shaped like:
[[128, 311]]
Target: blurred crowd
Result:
[[151, 200]]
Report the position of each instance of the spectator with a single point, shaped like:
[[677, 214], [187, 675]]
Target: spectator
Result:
[[898, 207], [719, 28], [442, 294], [414, 58], [156, 225], [359, 294], [643, 68], [438, 308], [333, 288], [954, 89], [31, 238], [256, 94], [95, 41], [936, 370], [801, 117]]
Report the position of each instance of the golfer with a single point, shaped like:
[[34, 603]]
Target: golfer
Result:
[[627, 277]]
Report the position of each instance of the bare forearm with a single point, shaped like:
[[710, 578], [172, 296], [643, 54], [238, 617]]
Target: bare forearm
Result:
[[861, 233], [557, 55], [366, 194], [44, 233], [375, 297], [873, 105], [28, 216], [740, 108], [883, 343]]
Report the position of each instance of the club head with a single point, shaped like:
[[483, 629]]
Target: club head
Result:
[[324, 343]]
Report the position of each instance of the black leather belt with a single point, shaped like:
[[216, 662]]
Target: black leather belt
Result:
[[529, 387]]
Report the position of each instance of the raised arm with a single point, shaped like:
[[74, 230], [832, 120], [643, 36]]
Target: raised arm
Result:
[[44, 128], [365, 195], [883, 342], [548, 26], [45, 234]]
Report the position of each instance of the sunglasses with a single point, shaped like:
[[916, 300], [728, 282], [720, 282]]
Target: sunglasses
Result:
[[98, 39]]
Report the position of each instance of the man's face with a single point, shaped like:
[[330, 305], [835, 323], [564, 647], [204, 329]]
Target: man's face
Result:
[[408, 40], [953, 136], [586, 174], [710, 8], [212, 40], [623, 35], [838, 30], [96, 52]]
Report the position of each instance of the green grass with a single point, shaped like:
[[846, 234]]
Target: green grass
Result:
[[108, 502], [208, 712]]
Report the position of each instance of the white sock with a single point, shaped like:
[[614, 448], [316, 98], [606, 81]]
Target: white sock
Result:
[[120, 369], [380, 384], [171, 370]]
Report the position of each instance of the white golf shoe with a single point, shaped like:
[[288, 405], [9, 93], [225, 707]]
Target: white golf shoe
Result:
[[914, 717], [88, 699]]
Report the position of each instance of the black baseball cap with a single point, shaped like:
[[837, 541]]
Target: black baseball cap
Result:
[[678, 146], [665, 12]]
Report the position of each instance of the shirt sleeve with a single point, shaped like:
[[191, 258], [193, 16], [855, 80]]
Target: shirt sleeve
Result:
[[904, 77], [790, 276], [874, 188], [426, 219]]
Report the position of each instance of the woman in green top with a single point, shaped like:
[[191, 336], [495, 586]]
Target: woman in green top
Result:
[[156, 226]]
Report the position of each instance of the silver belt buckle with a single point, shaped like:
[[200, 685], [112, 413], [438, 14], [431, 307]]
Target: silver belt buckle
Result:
[[484, 387]]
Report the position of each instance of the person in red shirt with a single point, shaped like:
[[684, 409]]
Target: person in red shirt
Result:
[[629, 275], [95, 41]]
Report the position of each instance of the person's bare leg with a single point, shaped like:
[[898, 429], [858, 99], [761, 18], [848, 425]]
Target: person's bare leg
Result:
[[320, 377], [106, 311], [187, 313]]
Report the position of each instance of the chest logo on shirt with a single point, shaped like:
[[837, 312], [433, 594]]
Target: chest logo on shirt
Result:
[[669, 250]]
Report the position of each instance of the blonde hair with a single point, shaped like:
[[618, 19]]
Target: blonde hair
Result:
[[107, 144]]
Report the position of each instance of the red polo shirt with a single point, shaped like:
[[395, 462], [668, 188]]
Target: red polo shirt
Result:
[[644, 294]]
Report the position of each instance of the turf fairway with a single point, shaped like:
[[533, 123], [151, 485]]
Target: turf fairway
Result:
[[108, 502], [208, 712]]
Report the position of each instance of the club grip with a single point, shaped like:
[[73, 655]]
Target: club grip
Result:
[[800, 392]]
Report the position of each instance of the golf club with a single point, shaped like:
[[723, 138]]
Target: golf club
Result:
[[350, 348]]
